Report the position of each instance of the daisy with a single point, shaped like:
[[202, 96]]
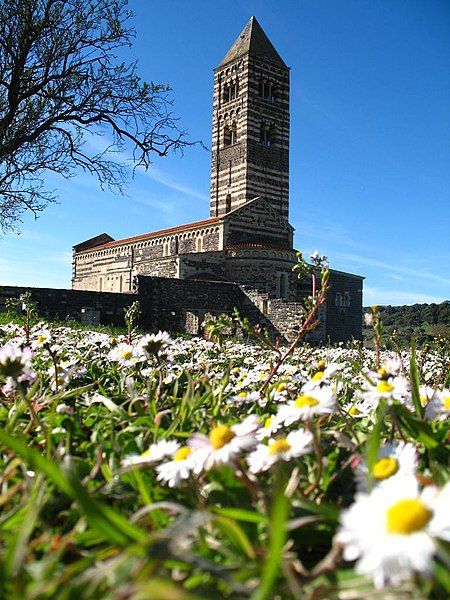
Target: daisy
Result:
[[293, 445], [152, 344], [223, 444], [322, 376], [393, 460], [42, 339], [245, 398], [439, 404], [154, 454], [388, 387], [271, 425], [125, 354], [14, 361], [320, 401], [357, 410], [178, 469], [391, 531]]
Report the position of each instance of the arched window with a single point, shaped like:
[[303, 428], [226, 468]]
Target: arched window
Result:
[[121, 283], [230, 91], [229, 134], [176, 248], [199, 244], [228, 203], [100, 284], [267, 134], [267, 90]]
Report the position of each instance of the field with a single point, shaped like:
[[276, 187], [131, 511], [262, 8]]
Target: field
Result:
[[145, 467]]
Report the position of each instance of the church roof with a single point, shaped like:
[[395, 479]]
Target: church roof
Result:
[[98, 240], [154, 234], [253, 40]]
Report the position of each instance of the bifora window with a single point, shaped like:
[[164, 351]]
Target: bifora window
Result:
[[229, 134], [267, 134], [230, 91], [267, 90], [342, 299]]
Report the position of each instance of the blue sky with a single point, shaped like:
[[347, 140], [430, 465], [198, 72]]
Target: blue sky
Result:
[[370, 141]]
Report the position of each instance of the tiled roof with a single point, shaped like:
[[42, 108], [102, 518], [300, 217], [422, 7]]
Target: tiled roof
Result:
[[154, 234]]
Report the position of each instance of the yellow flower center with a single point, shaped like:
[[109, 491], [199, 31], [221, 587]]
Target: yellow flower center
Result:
[[354, 411], [304, 401], [384, 387], [127, 354], [423, 400], [385, 467], [221, 435], [278, 446], [318, 376], [446, 403], [242, 395], [182, 453], [268, 422], [382, 373], [281, 387], [41, 339], [407, 516], [146, 454]]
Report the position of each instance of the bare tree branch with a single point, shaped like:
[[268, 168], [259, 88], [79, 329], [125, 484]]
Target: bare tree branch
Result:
[[60, 84]]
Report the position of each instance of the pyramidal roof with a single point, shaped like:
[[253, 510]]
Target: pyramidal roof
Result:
[[253, 40]]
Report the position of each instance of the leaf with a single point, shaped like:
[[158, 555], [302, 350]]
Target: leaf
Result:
[[328, 512], [374, 441], [442, 576], [17, 547], [415, 381], [112, 524], [278, 517], [104, 519], [241, 514], [235, 534], [421, 431], [37, 461]]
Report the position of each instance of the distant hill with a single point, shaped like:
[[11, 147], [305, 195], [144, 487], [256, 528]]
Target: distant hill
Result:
[[423, 321]]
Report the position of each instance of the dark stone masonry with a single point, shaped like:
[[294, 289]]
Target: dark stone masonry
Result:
[[242, 255]]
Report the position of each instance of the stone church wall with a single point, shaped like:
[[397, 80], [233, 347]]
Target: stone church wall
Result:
[[257, 223], [112, 268]]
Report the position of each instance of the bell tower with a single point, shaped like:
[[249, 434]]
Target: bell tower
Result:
[[250, 133]]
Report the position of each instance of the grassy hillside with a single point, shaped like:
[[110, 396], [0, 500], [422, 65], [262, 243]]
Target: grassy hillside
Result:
[[422, 321]]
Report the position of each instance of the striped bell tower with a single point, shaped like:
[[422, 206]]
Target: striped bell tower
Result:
[[250, 133]]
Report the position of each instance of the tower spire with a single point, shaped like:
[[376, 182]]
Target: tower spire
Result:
[[254, 41]]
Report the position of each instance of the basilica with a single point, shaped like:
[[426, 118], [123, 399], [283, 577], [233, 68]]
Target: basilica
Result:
[[247, 238]]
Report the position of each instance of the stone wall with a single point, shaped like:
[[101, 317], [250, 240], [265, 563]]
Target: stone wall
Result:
[[179, 305], [182, 304], [99, 307]]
